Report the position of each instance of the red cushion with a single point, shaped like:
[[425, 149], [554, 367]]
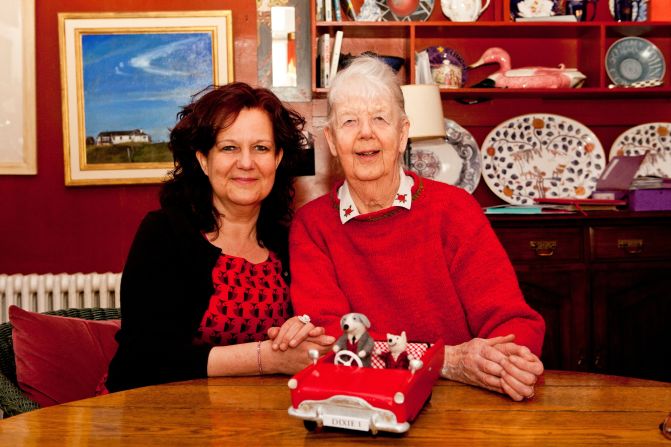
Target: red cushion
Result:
[[60, 359]]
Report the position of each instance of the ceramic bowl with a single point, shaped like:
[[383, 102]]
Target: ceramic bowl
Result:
[[633, 59]]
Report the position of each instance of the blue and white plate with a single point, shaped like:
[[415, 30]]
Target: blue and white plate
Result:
[[634, 59], [639, 13], [420, 14], [454, 160]]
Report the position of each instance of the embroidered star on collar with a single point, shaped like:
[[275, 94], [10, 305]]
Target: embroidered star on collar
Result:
[[403, 198]]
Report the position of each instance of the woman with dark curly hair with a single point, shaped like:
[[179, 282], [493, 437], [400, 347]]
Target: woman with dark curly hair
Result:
[[206, 277]]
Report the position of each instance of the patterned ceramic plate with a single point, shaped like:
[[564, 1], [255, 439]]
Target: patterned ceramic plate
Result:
[[535, 8], [653, 138], [454, 159], [541, 155], [420, 14], [641, 16], [634, 59]]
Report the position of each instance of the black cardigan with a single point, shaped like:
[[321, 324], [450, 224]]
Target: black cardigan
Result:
[[165, 290]]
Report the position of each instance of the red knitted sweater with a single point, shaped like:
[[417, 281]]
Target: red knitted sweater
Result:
[[436, 270]]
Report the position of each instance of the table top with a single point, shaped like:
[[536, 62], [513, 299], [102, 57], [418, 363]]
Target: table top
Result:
[[569, 409]]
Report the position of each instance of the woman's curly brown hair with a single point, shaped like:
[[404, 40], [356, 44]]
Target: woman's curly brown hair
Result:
[[189, 189]]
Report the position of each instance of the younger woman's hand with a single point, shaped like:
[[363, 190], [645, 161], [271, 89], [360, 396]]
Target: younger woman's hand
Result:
[[293, 332]]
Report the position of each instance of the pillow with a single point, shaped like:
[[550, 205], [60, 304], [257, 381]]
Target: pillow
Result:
[[60, 359]]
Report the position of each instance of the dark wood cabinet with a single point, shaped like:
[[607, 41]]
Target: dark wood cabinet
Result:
[[603, 284]]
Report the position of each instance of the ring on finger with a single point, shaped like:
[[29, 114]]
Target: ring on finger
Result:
[[305, 318]]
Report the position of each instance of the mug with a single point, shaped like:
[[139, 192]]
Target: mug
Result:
[[446, 75], [579, 8], [463, 10], [624, 10]]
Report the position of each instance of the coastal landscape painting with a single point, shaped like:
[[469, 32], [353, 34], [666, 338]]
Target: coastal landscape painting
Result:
[[125, 79]]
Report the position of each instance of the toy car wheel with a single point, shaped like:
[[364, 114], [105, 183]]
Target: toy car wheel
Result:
[[310, 425], [428, 400]]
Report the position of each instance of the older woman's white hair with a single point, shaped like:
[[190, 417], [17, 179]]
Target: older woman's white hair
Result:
[[366, 78]]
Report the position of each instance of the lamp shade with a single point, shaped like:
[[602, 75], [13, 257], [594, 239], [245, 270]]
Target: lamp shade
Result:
[[424, 110]]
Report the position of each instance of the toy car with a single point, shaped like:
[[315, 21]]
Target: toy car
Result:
[[365, 398]]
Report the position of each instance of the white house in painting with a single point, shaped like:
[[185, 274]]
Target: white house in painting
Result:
[[122, 136]]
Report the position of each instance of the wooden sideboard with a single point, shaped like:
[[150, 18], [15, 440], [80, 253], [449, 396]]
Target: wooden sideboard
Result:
[[603, 284]]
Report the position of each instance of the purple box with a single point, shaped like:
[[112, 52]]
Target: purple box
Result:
[[650, 199]]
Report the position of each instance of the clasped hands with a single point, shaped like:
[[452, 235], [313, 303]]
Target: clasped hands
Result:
[[497, 364]]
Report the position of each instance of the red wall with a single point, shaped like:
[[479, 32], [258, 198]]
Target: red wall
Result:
[[47, 227]]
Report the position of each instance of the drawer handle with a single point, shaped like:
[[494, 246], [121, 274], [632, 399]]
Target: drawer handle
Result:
[[631, 246], [544, 248]]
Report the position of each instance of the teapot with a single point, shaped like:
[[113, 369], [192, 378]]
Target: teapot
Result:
[[463, 10]]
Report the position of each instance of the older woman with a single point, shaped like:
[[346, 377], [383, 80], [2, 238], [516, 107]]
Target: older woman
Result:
[[410, 253], [206, 276]]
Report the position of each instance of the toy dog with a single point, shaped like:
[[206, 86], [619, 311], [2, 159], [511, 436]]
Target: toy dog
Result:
[[396, 357], [355, 337]]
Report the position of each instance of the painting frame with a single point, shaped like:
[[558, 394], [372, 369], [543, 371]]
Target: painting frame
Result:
[[78, 53], [18, 152], [302, 92]]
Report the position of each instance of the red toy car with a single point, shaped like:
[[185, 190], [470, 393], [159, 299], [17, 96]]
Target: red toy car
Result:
[[365, 398]]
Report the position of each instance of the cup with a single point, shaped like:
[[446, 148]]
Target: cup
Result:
[[579, 8], [446, 75], [623, 10], [463, 10]]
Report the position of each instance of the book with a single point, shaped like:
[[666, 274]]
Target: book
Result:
[[328, 10], [527, 209], [324, 52], [319, 10], [336, 10], [582, 205], [617, 178], [349, 9], [335, 54]]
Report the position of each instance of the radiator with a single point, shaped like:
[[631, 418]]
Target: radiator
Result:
[[40, 293]]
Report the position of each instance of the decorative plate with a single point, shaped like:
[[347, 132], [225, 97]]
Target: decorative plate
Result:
[[653, 138], [541, 155], [535, 8], [421, 14], [642, 17], [454, 160], [634, 59]]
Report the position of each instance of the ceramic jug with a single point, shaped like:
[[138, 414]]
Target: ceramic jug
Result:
[[580, 9], [463, 10], [626, 10]]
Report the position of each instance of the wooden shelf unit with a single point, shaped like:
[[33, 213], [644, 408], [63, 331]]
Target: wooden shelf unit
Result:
[[582, 45]]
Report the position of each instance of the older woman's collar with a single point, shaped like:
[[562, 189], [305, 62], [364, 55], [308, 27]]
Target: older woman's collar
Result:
[[348, 210]]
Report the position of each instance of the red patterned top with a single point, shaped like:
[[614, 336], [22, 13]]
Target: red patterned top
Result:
[[248, 299]]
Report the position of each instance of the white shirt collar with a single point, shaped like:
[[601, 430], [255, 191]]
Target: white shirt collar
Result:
[[349, 211]]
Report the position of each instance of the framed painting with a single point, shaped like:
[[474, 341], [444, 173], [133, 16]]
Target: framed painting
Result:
[[125, 76], [17, 88]]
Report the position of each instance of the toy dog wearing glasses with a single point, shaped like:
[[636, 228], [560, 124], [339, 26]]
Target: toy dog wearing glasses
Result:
[[355, 337]]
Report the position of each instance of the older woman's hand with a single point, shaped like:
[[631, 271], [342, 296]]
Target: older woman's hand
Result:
[[521, 370], [294, 331], [476, 362]]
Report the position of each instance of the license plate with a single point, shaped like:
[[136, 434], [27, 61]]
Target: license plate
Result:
[[348, 422]]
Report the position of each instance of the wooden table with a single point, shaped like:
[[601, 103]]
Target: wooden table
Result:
[[570, 409]]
